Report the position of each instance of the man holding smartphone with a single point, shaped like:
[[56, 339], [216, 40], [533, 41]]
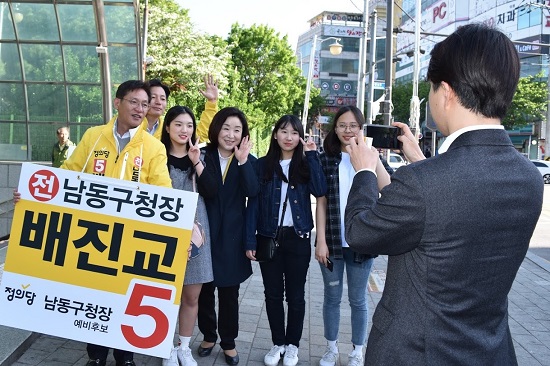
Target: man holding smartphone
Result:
[[455, 229]]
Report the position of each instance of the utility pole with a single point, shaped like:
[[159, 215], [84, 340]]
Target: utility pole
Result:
[[386, 109], [372, 65], [414, 117], [547, 134], [363, 60]]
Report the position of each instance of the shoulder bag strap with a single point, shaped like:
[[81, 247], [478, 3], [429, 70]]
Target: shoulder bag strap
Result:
[[282, 216]]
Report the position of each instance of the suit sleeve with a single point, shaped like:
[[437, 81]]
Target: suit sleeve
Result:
[[390, 225], [210, 109]]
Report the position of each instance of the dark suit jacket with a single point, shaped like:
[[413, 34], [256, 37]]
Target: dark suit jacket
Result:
[[226, 216], [456, 228]]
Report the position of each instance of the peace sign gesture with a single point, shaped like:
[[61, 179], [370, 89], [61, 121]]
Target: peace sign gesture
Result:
[[309, 144], [194, 152]]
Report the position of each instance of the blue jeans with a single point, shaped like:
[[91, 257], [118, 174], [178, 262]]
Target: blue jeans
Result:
[[286, 275], [358, 277]]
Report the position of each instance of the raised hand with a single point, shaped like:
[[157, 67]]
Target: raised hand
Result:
[[210, 91], [241, 153], [410, 146], [309, 145], [361, 155], [194, 152]]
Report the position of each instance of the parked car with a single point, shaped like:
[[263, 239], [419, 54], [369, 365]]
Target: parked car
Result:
[[396, 160], [544, 169]]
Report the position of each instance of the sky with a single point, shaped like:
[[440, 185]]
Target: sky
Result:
[[287, 17]]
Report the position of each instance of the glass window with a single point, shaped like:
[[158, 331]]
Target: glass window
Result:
[[523, 18], [121, 24], [85, 103], [73, 28], [38, 23], [82, 64], [42, 62], [13, 141], [10, 67], [6, 25], [42, 137], [47, 103], [123, 63], [12, 102]]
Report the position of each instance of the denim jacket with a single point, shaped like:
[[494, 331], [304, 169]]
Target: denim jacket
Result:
[[262, 212]]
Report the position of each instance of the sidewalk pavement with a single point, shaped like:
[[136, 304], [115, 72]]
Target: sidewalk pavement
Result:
[[529, 308]]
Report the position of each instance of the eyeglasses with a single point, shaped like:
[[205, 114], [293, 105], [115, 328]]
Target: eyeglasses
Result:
[[135, 103], [352, 127]]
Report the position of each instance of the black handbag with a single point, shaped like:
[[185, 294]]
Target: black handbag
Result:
[[266, 247]]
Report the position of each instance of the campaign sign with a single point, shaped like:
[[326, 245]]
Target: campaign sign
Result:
[[97, 259]]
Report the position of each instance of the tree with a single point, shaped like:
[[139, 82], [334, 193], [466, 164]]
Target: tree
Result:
[[266, 69], [181, 57], [529, 103], [401, 99]]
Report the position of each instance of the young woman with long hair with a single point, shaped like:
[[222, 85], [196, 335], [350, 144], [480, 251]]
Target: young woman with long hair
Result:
[[188, 173], [289, 174], [331, 245]]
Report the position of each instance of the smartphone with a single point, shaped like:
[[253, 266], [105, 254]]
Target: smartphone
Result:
[[384, 137], [330, 265]]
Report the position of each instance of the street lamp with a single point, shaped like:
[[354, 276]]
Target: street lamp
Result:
[[335, 49]]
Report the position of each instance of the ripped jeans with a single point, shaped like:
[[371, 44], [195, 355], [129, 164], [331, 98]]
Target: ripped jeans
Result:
[[357, 280]]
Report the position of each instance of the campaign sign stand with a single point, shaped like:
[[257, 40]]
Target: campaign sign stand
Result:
[[97, 259]]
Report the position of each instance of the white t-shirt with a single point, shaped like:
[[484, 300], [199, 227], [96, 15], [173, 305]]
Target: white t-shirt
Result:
[[287, 221], [345, 177]]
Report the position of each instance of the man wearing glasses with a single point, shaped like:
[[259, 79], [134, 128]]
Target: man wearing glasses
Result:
[[121, 149]]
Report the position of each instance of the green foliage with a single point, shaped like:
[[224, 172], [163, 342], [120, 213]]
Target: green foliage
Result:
[[266, 71], [529, 103], [182, 57], [401, 99], [255, 67]]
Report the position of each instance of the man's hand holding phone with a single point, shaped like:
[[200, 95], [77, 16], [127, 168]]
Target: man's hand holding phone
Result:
[[409, 145], [361, 155]]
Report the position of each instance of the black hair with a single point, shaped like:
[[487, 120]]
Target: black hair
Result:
[[332, 145], [168, 118], [131, 85], [157, 82], [218, 121], [298, 169], [482, 67]]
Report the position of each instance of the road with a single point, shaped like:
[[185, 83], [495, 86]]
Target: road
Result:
[[540, 242]]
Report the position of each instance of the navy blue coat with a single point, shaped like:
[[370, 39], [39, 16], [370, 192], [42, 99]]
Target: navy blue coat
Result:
[[226, 216]]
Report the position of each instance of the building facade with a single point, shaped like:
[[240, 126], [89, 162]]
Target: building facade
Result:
[[60, 64], [526, 22]]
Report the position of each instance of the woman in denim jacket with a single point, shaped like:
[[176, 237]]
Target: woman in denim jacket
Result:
[[285, 169]]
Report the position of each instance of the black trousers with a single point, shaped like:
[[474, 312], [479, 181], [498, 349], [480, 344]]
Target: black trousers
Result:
[[285, 276], [100, 352], [228, 318]]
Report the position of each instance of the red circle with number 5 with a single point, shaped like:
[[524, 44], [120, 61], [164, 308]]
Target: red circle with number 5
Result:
[[43, 185]]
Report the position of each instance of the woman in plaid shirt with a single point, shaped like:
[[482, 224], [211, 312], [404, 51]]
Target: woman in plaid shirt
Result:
[[331, 245]]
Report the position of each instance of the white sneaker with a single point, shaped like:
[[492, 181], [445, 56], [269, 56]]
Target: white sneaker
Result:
[[185, 357], [291, 355], [274, 355], [173, 360], [355, 359], [329, 358]]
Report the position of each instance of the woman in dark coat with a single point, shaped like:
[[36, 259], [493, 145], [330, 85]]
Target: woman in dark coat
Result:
[[228, 157]]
